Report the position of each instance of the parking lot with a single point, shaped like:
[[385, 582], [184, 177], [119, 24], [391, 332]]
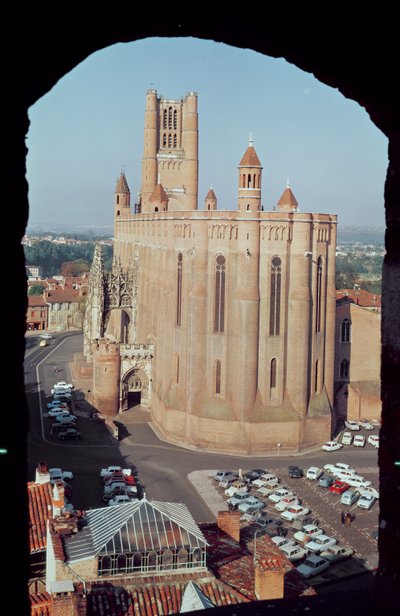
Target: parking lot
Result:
[[325, 511]]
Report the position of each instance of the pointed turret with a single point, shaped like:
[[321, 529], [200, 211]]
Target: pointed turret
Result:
[[159, 199], [211, 200], [288, 202], [250, 171], [122, 193]]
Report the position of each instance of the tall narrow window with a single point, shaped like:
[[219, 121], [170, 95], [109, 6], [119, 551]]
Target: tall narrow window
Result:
[[345, 331], [175, 119], [170, 117], [175, 141], [177, 367], [219, 315], [272, 376], [164, 140], [165, 119], [344, 369], [179, 292], [217, 377], [169, 140], [318, 296], [316, 384], [275, 297], [249, 180]]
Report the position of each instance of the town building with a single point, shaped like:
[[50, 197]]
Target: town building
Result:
[[36, 313], [222, 321], [358, 355]]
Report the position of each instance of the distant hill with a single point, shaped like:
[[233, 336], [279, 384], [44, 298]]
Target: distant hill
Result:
[[81, 230], [361, 235]]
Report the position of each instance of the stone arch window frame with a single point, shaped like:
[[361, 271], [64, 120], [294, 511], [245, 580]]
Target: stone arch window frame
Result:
[[175, 119], [170, 118], [345, 331], [179, 275], [318, 296], [275, 296], [273, 373], [344, 370], [219, 294], [165, 119], [177, 368], [317, 376], [217, 377]]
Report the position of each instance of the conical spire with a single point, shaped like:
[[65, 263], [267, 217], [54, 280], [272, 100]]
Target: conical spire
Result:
[[250, 158], [159, 195], [288, 201], [211, 195], [122, 185]]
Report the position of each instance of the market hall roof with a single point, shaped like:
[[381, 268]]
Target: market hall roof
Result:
[[139, 526]]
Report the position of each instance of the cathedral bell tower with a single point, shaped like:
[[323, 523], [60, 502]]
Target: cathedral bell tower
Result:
[[250, 171]]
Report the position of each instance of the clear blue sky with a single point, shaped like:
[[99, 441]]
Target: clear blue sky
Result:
[[91, 123]]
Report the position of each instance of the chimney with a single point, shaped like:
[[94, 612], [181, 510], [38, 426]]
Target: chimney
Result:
[[229, 522], [64, 604], [269, 576], [42, 473], [58, 499]]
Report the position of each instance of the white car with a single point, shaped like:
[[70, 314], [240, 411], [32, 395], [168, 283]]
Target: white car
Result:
[[331, 446], [46, 336], [373, 440], [356, 481], [268, 489], [364, 423], [57, 411], [337, 552], [63, 385], [294, 512], [276, 496], [56, 474], [61, 395], [294, 552], [366, 501], [347, 438], [281, 541], [338, 468], [312, 565], [352, 425], [287, 501], [237, 487], [309, 531], [359, 440], [368, 490], [119, 500], [57, 404], [314, 472], [320, 542], [107, 472]]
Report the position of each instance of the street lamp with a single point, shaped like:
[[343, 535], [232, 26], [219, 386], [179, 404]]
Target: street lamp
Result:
[[279, 448]]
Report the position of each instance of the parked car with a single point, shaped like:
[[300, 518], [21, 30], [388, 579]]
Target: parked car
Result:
[[349, 497], [309, 531], [46, 336], [287, 501], [294, 552], [373, 440], [320, 542], [251, 514], [65, 417], [368, 490], [63, 396], [294, 512], [338, 487], [367, 425], [314, 472], [351, 425], [228, 480], [58, 473], [296, 472], [313, 565], [281, 541], [358, 482], [252, 475], [43, 343], [251, 501], [61, 390], [265, 479], [119, 500], [118, 489], [366, 501], [70, 434], [57, 404], [63, 385], [325, 481], [113, 469], [359, 440], [58, 412], [234, 501], [62, 425], [331, 446], [347, 438], [129, 480], [266, 520], [337, 552], [276, 496], [268, 489], [339, 467], [237, 487]]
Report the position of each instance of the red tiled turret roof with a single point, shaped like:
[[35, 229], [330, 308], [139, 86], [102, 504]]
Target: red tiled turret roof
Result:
[[288, 200], [122, 185], [250, 158], [159, 195]]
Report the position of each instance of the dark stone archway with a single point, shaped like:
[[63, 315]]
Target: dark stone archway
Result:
[[356, 53]]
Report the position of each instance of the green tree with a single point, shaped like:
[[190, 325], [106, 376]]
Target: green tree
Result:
[[36, 289], [74, 268]]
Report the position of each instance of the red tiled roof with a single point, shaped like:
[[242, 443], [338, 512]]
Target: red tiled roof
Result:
[[36, 300], [63, 295], [288, 199], [39, 497], [250, 158], [122, 185], [158, 195], [40, 604], [211, 195], [360, 297]]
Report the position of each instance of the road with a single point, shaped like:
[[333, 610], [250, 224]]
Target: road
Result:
[[163, 468]]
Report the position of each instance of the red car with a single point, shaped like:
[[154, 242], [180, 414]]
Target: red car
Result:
[[338, 487], [128, 479]]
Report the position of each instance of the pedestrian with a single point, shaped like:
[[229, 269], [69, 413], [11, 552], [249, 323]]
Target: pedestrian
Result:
[[342, 517], [55, 368], [348, 518]]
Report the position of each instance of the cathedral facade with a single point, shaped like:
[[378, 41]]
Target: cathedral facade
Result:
[[221, 321]]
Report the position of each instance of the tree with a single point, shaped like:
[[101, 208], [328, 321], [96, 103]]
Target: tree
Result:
[[74, 268], [36, 289]]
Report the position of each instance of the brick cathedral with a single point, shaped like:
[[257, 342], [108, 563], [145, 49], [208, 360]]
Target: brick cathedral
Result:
[[220, 322]]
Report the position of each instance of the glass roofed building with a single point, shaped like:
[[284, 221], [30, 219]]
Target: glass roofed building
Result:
[[139, 538]]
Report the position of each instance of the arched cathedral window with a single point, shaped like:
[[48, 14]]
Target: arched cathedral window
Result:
[[318, 296], [345, 331], [219, 310], [217, 377], [275, 297], [272, 376], [179, 292]]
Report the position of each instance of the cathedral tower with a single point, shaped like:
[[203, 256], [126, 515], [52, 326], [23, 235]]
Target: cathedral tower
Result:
[[250, 171], [170, 151]]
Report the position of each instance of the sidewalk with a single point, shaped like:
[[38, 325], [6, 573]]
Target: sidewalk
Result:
[[202, 484]]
